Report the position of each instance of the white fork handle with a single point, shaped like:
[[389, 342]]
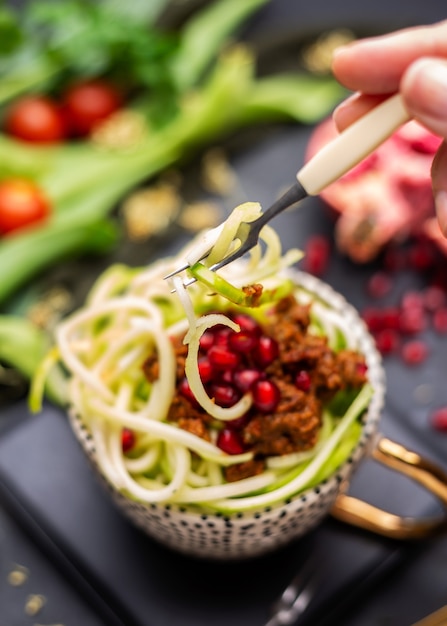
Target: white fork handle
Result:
[[352, 145]]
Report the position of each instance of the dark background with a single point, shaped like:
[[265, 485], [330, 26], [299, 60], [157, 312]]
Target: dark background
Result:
[[94, 568]]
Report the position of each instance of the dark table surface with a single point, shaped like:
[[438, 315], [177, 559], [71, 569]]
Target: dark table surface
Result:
[[76, 565]]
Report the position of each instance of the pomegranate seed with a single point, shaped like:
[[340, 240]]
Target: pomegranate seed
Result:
[[221, 357], [266, 351], [421, 256], [221, 336], [230, 441], [207, 340], [224, 394], [414, 352], [373, 318], [244, 379], [247, 323], [440, 320], [362, 369], [127, 439], [438, 419], [379, 285], [205, 369], [427, 144], [316, 255], [243, 341], [302, 380], [391, 318], [412, 320], [266, 395], [434, 298], [238, 423], [186, 392], [387, 341], [412, 300]]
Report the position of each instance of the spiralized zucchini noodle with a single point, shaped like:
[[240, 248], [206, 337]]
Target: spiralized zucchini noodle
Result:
[[133, 313]]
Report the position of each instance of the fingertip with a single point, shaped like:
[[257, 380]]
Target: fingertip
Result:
[[441, 210]]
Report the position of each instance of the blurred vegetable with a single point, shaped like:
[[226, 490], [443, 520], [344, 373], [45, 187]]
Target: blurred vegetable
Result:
[[36, 119], [186, 90], [22, 204], [24, 346], [88, 103]]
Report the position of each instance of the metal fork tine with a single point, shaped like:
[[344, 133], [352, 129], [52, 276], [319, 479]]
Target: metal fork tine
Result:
[[248, 232]]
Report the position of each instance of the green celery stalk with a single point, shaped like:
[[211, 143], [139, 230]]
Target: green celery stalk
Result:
[[24, 256], [204, 34], [23, 346]]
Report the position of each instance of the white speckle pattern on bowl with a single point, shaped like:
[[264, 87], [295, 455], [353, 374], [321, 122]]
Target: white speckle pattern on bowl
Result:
[[252, 533]]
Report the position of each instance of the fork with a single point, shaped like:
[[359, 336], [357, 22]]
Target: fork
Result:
[[335, 159]]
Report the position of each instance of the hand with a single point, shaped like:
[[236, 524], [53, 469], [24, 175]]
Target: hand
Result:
[[412, 61]]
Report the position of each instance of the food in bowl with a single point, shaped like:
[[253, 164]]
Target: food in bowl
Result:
[[205, 410]]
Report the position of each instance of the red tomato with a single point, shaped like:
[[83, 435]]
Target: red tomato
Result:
[[36, 119], [89, 103], [21, 203]]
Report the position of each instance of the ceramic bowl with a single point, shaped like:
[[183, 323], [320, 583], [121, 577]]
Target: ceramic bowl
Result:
[[248, 534]]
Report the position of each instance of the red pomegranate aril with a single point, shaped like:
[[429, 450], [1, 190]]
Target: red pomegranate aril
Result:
[[316, 255], [412, 321], [230, 441], [221, 336], [440, 320], [414, 352], [266, 395], [127, 439], [205, 369], [412, 300], [438, 419], [391, 318], [303, 380], [243, 341], [247, 323], [238, 423], [421, 256], [434, 298], [221, 357], [224, 394], [379, 285], [362, 369], [207, 340], [266, 351], [373, 318], [186, 392], [387, 341], [244, 379]]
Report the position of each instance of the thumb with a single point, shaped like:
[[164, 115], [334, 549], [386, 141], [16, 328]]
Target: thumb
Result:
[[439, 177], [424, 88]]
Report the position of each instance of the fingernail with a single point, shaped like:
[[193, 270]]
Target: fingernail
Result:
[[441, 210], [430, 77]]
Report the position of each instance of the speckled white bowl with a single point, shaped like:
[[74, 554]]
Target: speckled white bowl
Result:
[[248, 534]]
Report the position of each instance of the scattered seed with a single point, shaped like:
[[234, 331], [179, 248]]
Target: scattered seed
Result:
[[217, 174], [149, 211], [34, 604], [18, 576], [200, 215], [123, 130]]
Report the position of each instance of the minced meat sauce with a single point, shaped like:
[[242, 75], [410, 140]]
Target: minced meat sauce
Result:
[[305, 370]]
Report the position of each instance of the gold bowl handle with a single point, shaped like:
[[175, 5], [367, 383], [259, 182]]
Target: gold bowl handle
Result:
[[363, 515]]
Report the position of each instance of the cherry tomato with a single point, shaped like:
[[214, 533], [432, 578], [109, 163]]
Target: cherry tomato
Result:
[[22, 203], [89, 103], [36, 119]]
